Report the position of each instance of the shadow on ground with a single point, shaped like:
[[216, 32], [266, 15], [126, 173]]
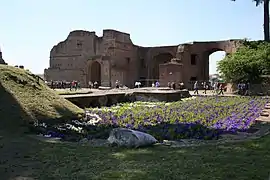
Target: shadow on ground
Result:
[[249, 160], [16, 156]]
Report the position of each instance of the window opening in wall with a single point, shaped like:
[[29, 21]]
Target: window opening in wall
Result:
[[193, 59], [79, 44], [142, 63], [128, 60], [193, 78]]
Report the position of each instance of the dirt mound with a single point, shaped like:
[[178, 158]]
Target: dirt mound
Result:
[[25, 98]]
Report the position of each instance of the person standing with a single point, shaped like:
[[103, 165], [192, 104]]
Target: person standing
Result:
[[90, 84], [196, 88], [205, 87]]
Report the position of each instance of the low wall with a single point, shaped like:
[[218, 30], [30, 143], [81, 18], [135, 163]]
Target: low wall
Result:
[[109, 99]]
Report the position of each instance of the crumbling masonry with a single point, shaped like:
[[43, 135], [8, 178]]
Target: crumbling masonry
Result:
[[85, 57]]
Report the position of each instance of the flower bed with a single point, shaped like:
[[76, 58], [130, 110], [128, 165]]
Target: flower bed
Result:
[[201, 117]]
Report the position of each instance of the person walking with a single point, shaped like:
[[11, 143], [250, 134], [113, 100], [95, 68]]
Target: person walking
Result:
[[215, 88], [221, 89], [196, 88], [205, 87]]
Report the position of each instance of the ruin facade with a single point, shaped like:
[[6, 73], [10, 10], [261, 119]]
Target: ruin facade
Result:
[[1, 58], [85, 57]]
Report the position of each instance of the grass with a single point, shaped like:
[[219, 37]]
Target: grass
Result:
[[25, 98], [25, 157]]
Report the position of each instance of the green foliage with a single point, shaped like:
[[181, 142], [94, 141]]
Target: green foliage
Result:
[[248, 63], [258, 2]]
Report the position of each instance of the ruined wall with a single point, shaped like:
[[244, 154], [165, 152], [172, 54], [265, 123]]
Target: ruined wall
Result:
[[1, 58], [114, 51], [122, 55], [69, 58], [170, 72], [195, 57], [121, 60]]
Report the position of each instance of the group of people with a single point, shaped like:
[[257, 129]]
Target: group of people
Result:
[[94, 85], [75, 85], [63, 84], [172, 85], [217, 88], [243, 88]]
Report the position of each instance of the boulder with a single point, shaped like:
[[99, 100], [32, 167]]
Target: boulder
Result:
[[123, 137]]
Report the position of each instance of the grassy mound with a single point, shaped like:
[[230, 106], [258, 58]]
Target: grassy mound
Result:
[[24, 98]]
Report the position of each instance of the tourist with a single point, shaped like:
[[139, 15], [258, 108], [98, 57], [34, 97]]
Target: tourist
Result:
[[137, 84], [169, 85], [153, 84], [241, 88], [247, 89], [205, 87], [72, 85], [90, 84], [52, 85], [96, 85], [76, 85], [221, 89], [157, 84], [173, 85], [117, 84], [181, 85], [215, 88], [196, 88]]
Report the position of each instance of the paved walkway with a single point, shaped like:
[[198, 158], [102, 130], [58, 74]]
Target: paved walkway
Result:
[[98, 92]]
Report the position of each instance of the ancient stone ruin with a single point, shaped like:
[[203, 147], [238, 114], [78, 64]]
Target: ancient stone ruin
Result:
[[85, 57], [1, 58]]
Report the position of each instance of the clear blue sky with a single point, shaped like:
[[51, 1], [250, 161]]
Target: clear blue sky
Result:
[[30, 28]]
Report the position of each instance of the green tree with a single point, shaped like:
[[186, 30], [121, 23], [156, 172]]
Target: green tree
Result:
[[266, 17], [248, 63]]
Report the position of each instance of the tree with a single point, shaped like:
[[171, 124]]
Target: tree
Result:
[[266, 17], [248, 63]]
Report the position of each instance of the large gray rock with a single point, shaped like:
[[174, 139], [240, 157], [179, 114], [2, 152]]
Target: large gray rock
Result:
[[123, 137]]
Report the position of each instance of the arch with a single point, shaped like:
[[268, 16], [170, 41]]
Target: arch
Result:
[[161, 58], [94, 71], [214, 57], [210, 59]]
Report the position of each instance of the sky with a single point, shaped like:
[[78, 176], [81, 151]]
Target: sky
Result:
[[30, 28]]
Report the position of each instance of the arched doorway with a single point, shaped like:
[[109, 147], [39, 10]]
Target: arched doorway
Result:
[[214, 58], [95, 72], [160, 59]]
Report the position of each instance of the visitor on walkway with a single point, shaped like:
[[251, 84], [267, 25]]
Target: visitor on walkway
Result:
[[215, 88], [221, 89], [247, 89], [169, 85], [157, 84], [241, 88], [72, 84], [117, 84], [96, 85], [137, 84], [52, 85], [173, 85], [196, 88], [90, 84], [205, 87], [181, 85]]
